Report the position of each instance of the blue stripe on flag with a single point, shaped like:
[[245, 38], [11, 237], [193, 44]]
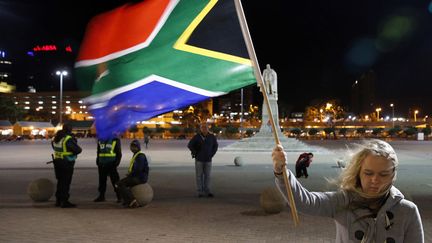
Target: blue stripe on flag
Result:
[[127, 108]]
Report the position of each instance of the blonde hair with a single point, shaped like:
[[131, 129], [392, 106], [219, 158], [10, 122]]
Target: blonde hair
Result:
[[349, 179]]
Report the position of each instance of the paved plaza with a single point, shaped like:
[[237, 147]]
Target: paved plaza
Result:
[[176, 214]]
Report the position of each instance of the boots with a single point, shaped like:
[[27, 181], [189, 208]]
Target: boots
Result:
[[119, 200], [100, 198], [67, 204]]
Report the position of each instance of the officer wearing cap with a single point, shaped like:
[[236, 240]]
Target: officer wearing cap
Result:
[[137, 174]]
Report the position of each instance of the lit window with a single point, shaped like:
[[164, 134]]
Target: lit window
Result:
[[67, 102], [54, 102]]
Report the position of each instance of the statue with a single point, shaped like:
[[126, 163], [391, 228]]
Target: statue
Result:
[[270, 81]]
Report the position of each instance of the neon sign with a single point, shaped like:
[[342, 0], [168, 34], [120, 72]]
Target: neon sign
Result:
[[45, 48], [38, 48]]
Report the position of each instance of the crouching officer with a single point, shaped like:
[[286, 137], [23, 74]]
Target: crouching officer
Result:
[[108, 159], [137, 174], [66, 150]]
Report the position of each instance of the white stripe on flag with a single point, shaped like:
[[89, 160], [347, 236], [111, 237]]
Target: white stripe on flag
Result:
[[101, 100]]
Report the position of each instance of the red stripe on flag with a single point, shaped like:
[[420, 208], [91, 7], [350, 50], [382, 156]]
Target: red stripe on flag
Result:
[[121, 28]]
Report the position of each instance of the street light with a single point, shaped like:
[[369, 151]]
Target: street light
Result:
[[392, 106], [378, 111], [61, 74], [415, 115]]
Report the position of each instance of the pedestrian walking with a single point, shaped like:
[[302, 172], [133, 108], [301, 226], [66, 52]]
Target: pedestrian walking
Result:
[[138, 172], [302, 163], [203, 147], [108, 158], [66, 150], [367, 207], [146, 140]]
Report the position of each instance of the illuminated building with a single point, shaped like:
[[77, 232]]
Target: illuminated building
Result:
[[46, 104], [5, 74], [363, 93]]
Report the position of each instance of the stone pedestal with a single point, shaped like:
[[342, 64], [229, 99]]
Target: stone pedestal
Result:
[[264, 139]]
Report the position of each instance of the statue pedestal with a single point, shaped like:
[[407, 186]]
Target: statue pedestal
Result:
[[264, 140]]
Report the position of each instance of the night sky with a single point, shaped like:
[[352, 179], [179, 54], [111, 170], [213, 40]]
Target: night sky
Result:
[[318, 48]]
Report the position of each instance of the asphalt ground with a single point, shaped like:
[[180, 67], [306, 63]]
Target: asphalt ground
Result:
[[176, 214]]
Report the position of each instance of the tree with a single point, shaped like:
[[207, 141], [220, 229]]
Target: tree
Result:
[[188, 130], [361, 131], [133, 129], [147, 131], [231, 130], [174, 129], [159, 129], [343, 131], [249, 132], [377, 131], [313, 131], [394, 131], [215, 129], [9, 111], [329, 130], [296, 131], [409, 131]]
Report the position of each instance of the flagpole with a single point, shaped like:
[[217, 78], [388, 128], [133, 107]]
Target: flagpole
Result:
[[251, 51]]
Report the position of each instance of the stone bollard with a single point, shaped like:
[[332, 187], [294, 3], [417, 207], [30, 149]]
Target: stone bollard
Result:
[[271, 200], [238, 161], [40, 190], [340, 163], [143, 193]]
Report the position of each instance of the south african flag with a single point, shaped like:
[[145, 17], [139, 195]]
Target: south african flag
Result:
[[148, 58]]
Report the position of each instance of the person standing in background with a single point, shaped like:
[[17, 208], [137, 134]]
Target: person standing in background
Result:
[[203, 147]]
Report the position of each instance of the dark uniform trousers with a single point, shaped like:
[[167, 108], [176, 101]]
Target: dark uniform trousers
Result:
[[124, 186], [105, 170], [63, 171]]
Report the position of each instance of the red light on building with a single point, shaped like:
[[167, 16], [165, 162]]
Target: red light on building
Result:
[[45, 48], [68, 49]]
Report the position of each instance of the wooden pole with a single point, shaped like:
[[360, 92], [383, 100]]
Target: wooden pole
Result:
[[258, 76]]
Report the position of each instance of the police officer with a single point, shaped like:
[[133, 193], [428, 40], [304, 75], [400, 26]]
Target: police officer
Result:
[[137, 174], [66, 150], [108, 159]]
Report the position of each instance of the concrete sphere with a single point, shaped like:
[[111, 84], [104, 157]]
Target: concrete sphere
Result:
[[271, 201], [238, 161], [40, 190], [143, 193]]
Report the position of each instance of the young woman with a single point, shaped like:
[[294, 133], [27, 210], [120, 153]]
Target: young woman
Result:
[[367, 207]]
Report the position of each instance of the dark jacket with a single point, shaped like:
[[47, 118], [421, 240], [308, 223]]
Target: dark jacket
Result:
[[203, 148], [140, 168], [303, 160], [117, 151]]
